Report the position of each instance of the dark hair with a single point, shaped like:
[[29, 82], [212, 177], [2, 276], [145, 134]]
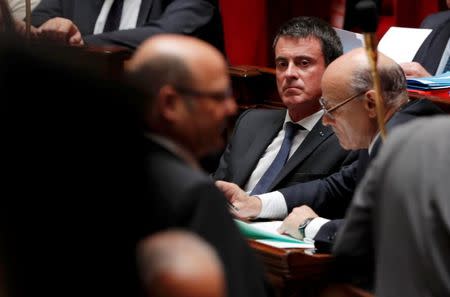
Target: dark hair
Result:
[[6, 20], [304, 27]]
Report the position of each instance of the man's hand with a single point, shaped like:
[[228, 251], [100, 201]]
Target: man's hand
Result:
[[295, 219], [61, 30], [414, 69], [245, 206]]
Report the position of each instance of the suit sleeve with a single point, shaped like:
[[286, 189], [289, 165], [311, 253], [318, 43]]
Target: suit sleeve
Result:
[[329, 197], [46, 9], [186, 17]]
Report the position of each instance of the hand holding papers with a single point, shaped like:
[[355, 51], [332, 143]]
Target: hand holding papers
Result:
[[266, 232]]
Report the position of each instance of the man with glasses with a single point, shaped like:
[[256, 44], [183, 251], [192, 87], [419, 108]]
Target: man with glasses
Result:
[[348, 101], [272, 149], [188, 95]]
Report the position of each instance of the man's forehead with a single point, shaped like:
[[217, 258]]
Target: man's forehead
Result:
[[298, 45]]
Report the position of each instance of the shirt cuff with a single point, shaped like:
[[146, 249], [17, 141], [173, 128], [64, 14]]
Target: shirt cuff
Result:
[[314, 226], [273, 206]]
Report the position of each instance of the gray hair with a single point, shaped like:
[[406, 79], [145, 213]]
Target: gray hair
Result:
[[392, 79]]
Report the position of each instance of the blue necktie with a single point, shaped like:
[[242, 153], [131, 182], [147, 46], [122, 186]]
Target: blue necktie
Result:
[[115, 14], [269, 176]]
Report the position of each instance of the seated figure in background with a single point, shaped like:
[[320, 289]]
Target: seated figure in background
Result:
[[433, 56], [273, 149], [126, 23]]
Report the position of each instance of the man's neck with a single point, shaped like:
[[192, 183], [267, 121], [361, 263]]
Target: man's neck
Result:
[[301, 112]]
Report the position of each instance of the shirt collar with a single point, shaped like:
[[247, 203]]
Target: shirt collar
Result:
[[308, 122]]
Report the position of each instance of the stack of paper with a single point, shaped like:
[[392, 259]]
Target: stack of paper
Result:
[[266, 232], [441, 81]]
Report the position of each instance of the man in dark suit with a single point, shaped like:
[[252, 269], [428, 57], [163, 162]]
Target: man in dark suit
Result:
[[303, 47], [433, 55], [99, 22], [353, 118], [187, 83], [398, 224]]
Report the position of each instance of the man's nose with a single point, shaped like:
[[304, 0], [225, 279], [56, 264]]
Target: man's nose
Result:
[[292, 71]]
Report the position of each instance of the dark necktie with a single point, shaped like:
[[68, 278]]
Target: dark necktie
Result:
[[269, 176], [115, 14]]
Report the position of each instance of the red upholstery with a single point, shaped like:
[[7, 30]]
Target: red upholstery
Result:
[[249, 24]]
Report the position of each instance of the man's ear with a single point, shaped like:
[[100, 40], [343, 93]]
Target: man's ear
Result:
[[370, 103], [169, 103]]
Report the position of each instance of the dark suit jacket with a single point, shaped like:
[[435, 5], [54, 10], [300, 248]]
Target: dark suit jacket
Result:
[[318, 156], [327, 233], [430, 52], [199, 18], [187, 198]]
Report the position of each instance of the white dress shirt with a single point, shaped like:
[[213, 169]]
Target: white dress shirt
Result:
[[273, 203], [130, 12], [17, 7]]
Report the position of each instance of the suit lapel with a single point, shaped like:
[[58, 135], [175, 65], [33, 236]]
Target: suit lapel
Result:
[[265, 133], [143, 12], [314, 138]]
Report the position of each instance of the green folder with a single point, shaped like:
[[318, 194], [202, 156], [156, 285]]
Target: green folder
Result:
[[252, 232]]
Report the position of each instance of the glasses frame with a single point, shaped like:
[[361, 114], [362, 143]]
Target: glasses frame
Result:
[[218, 96], [340, 104]]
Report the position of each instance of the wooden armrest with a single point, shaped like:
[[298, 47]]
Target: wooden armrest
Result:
[[255, 87]]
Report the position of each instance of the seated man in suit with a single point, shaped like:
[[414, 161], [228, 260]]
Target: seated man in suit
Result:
[[254, 159], [188, 89], [178, 263], [398, 224], [349, 105], [432, 58], [126, 23]]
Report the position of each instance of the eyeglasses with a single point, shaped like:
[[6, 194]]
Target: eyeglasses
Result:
[[328, 111], [218, 96]]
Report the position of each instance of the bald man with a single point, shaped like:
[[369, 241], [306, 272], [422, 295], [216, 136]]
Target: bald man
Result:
[[349, 108], [188, 94], [167, 272]]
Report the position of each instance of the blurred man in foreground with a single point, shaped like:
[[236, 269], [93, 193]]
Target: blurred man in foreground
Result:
[[188, 90]]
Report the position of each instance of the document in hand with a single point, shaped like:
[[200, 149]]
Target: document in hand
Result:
[[398, 43], [266, 232]]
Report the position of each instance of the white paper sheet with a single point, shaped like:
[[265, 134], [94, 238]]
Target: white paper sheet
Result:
[[401, 44]]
